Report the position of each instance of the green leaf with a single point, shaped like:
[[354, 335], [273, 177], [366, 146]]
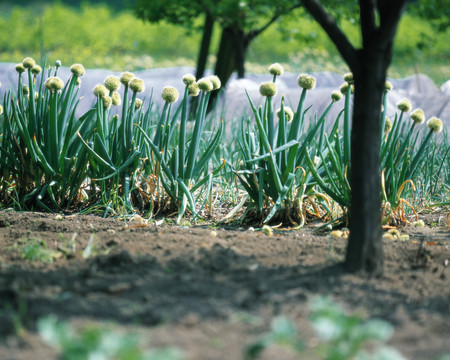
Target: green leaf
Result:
[[275, 151]]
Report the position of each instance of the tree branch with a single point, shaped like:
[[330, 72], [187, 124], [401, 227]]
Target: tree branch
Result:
[[330, 26], [254, 33], [367, 9], [390, 15]]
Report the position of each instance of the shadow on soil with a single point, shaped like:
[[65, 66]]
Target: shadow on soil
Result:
[[215, 283]]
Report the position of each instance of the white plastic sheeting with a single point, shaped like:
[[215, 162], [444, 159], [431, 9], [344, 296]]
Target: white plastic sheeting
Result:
[[419, 89]]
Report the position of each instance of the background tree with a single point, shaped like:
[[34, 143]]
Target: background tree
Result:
[[369, 63], [240, 23], [437, 12]]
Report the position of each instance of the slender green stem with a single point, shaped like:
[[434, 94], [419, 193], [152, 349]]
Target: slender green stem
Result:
[[54, 128], [347, 132], [182, 138]]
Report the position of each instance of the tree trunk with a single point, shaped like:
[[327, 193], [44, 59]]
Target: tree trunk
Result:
[[204, 47], [365, 249], [378, 20], [226, 56], [242, 43], [202, 58], [230, 57]]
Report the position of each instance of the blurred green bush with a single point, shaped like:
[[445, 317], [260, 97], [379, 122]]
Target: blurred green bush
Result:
[[109, 36]]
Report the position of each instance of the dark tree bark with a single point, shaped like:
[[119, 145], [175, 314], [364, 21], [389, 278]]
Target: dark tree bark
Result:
[[369, 66], [231, 54], [204, 46], [225, 62], [202, 57], [364, 249], [233, 47], [230, 57], [242, 41]]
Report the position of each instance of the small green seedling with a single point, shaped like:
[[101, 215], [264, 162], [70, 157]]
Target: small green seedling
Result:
[[341, 336], [97, 342], [34, 249]]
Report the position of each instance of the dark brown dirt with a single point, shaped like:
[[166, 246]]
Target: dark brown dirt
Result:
[[210, 292]]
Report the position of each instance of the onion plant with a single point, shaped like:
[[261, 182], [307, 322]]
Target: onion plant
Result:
[[40, 150], [273, 166], [113, 148], [330, 165], [123, 158], [180, 167], [432, 183], [402, 151]]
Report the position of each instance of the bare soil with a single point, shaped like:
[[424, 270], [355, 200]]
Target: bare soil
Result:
[[211, 292]]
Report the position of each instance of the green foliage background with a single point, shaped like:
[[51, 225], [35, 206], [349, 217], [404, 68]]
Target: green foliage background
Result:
[[103, 36]]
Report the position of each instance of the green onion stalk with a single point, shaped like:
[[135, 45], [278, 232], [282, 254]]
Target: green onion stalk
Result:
[[273, 155], [44, 126], [181, 166]]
